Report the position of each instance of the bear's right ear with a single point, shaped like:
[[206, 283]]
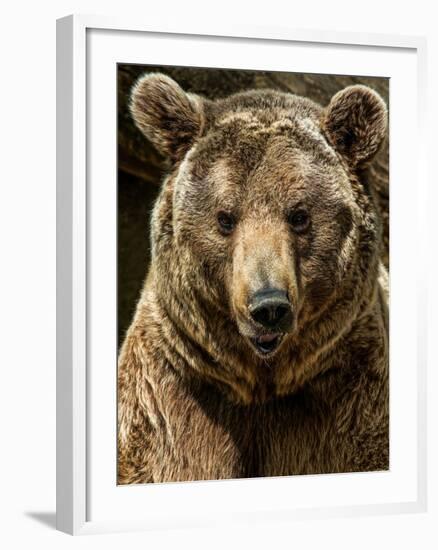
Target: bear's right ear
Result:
[[169, 117]]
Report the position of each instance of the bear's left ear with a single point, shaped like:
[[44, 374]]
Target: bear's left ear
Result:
[[355, 123], [168, 116]]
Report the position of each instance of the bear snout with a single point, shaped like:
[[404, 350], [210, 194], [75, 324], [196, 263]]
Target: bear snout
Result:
[[271, 309]]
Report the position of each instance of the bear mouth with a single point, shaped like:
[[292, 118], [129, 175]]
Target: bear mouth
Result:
[[266, 344]]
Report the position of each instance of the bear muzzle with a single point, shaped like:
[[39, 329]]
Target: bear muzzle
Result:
[[272, 315]]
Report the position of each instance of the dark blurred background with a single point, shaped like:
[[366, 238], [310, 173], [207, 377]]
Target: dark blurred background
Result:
[[141, 168]]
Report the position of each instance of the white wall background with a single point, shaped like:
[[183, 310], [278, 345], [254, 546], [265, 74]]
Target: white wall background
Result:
[[27, 271]]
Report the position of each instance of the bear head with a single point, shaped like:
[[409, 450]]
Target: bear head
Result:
[[265, 237]]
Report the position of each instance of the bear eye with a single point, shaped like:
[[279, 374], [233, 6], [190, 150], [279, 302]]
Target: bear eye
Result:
[[299, 221], [226, 222]]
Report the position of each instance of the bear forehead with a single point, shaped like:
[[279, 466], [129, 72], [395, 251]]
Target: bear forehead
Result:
[[303, 132], [248, 141], [246, 125], [281, 176]]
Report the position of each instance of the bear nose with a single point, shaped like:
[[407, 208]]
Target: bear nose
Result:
[[271, 309]]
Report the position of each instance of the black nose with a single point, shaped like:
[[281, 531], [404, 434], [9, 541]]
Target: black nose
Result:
[[271, 308]]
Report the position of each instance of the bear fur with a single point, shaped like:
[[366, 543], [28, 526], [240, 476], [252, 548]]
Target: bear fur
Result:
[[267, 190]]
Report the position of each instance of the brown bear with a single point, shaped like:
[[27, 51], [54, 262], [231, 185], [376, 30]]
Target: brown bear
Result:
[[259, 346]]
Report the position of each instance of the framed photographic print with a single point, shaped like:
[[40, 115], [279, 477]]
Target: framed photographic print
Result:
[[240, 328]]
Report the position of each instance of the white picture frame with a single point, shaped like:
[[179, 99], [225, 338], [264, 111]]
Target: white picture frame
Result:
[[76, 212]]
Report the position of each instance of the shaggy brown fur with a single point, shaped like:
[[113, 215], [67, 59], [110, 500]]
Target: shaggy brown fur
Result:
[[267, 191]]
